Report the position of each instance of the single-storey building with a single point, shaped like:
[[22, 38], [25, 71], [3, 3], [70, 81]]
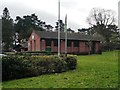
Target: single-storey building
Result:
[[77, 43]]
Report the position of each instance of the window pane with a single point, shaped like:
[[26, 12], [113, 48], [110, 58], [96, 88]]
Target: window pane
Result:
[[48, 42], [69, 43], [76, 43], [55, 42]]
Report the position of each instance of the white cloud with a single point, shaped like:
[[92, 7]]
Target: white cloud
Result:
[[77, 10]]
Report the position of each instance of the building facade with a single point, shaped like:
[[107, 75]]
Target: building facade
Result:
[[76, 43]]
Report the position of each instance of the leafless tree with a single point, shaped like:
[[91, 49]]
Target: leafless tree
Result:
[[101, 16], [102, 23]]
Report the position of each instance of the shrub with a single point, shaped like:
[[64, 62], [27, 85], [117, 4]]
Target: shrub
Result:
[[71, 62], [15, 67]]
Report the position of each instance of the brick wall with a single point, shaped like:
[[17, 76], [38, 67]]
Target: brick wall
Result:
[[34, 42], [37, 44]]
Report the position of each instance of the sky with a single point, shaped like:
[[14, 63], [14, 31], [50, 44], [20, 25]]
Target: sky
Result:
[[119, 15], [47, 10]]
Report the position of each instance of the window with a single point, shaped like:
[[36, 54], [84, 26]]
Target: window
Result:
[[68, 43], [48, 42], [76, 43], [55, 42], [33, 36]]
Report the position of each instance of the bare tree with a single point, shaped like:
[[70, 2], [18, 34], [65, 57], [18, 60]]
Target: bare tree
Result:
[[101, 16], [102, 24]]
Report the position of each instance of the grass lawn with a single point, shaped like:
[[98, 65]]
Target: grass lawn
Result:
[[93, 71]]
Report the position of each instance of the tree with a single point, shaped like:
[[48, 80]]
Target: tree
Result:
[[84, 30], [61, 25], [115, 41], [70, 30], [101, 16], [102, 23], [6, 14], [49, 27], [25, 25], [7, 30]]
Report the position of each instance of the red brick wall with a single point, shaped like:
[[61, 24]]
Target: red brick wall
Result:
[[87, 49], [62, 48], [55, 49], [82, 46], [41, 45], [52, 46], [97, 46], [69, 49], [76, 49], [31, 41]]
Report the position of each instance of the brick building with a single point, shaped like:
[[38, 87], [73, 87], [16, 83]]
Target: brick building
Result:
[[76, 43]]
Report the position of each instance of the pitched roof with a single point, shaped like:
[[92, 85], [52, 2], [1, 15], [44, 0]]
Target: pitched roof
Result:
[[70, 36]]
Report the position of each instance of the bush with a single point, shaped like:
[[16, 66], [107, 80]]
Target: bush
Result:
[[71, 62], [15, 67]]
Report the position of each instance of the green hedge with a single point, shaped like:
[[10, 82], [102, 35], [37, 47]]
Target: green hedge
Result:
[[16, 67], [71, 62]]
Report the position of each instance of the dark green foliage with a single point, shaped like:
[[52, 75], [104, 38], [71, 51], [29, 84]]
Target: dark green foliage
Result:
[[7, 30], [71, 62], [27, 24], [70, 30], [15, 67], [61, 25]]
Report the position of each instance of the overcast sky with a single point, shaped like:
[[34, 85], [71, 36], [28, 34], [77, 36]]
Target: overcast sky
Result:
[[47, 10]]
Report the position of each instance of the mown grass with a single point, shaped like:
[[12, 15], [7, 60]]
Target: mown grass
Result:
[[93, 71]]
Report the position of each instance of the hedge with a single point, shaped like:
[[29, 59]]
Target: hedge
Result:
[[15, 67]]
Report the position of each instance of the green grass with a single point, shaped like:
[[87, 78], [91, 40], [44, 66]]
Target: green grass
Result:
[[93, 71]]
